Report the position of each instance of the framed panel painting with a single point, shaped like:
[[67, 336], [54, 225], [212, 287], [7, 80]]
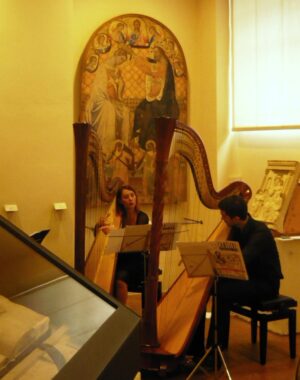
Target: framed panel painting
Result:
[[133, 70]]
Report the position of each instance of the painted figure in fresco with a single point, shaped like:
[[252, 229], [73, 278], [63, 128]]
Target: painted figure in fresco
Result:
[[136, 37], [118, 34], [105, 110], [92, 63], [120, 161], [176, 174], [160, 95], [154, 36], [149, 168], [171, 49], [138, 156], [178, 68], [102, 43]]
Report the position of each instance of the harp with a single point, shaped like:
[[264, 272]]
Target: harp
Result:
[[166, 331], [164, 340], [89, 173]]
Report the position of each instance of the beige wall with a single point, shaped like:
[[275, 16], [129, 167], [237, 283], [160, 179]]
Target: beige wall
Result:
[[236, 155], [36, 144], [42, 42]]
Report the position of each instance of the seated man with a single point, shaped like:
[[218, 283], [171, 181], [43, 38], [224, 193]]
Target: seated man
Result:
[[262, 262]]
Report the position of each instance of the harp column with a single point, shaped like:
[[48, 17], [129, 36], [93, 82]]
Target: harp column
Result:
[[81, 135], [164, 133]]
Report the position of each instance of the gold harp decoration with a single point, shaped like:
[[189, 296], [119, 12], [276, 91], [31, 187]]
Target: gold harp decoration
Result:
[[163, 343]]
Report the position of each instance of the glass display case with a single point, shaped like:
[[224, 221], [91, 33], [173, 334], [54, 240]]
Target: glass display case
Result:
[[54, 323]]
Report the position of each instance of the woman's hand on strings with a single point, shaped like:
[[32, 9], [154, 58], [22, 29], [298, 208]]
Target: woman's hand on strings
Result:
[[103, 226], [107, 228]]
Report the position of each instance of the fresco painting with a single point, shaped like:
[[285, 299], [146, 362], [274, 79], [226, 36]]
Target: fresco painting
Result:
[[133, 70]]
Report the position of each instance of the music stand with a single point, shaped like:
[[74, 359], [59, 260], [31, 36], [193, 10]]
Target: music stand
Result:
[[133, 238], [136, 238], [129, 239], [217, 259]]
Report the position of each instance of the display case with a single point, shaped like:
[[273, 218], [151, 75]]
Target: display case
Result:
[[54, 323]]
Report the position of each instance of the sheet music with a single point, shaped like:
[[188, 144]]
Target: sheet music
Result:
[[228, 260]]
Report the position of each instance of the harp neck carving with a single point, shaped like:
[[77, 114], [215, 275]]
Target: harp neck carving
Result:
[[190, 146]]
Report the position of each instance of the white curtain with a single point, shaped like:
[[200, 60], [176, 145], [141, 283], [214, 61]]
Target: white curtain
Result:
[[265, 63]]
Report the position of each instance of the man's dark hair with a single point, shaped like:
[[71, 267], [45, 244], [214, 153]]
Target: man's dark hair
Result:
[[234, 205]]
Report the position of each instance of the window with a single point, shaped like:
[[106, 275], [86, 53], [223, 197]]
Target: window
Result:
[[265, 64]]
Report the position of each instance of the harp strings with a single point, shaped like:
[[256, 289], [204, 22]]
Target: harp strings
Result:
[[187, 224], [201, 189], [95, 208], [195, 219], [169, 259], [173, 213]]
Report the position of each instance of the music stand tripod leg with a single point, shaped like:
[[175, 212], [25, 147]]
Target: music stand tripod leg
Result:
[[215, 347], [199, 364]]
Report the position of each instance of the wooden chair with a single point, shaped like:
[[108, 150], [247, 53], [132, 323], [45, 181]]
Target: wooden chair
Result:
[[281, 307]]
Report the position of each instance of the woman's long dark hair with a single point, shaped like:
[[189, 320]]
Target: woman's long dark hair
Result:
[[120, 209]]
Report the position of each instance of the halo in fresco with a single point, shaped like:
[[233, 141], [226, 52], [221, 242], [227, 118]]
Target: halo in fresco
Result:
[[133, 70]]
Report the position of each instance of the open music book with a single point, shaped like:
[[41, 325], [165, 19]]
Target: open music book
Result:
[[213, 258], [20, 328]]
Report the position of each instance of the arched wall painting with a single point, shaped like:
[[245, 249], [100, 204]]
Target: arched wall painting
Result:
[[133, 70]]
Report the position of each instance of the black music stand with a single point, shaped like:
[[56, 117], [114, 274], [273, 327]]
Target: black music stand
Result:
[[217, 259], [132, 238], [136, 238], [129, 239]]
